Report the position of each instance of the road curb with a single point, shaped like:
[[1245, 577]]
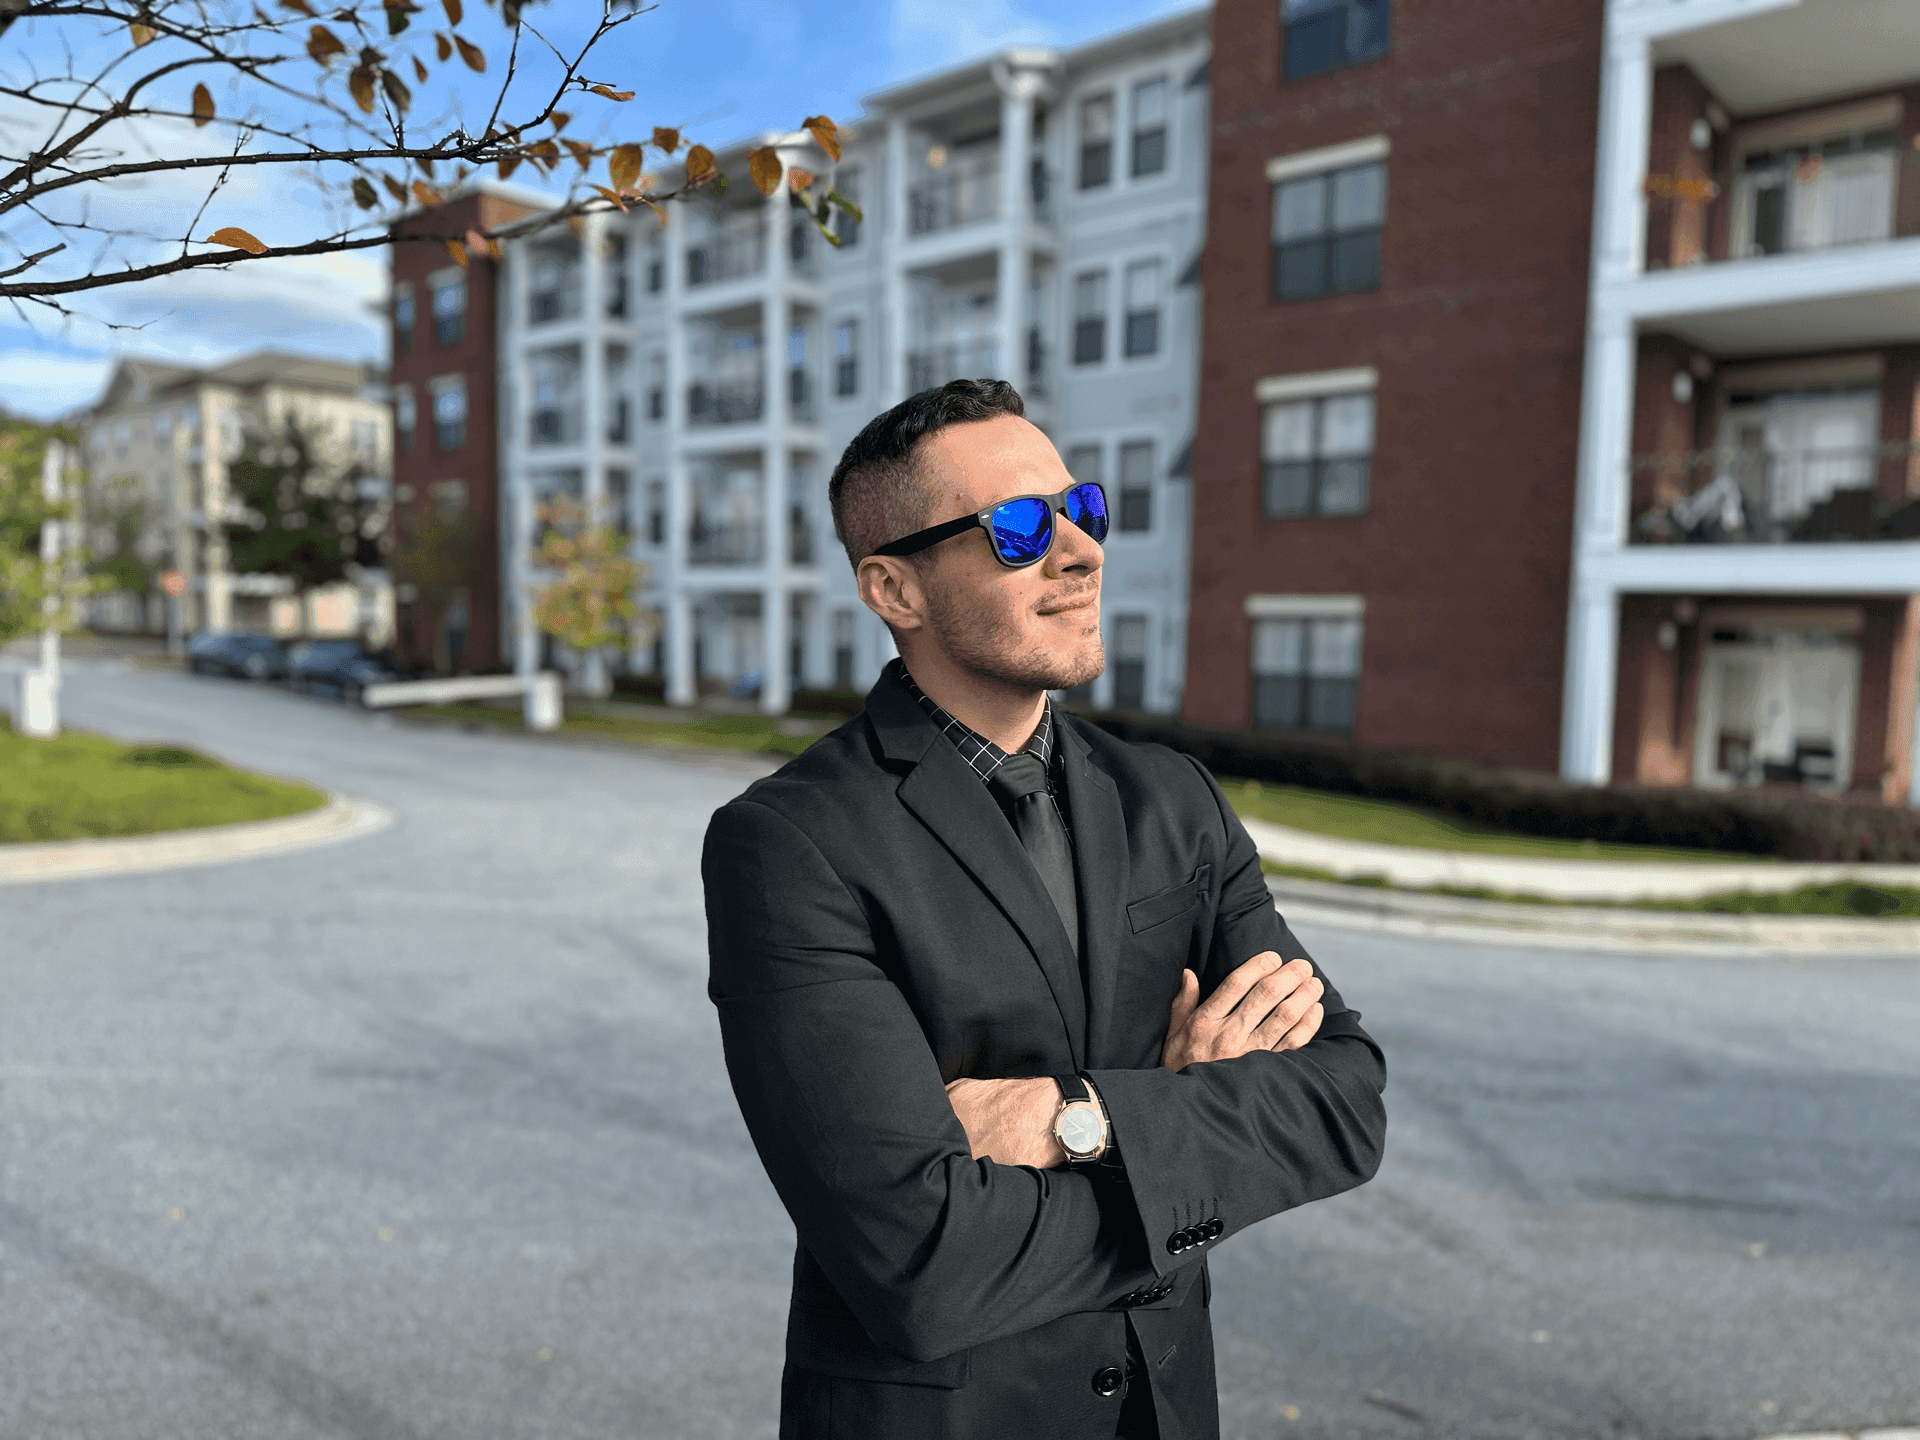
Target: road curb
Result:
[[1573, 927], [341, 818]]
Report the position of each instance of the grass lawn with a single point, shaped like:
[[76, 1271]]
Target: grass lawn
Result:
[[751, 734], [80, 786], [1348, 817]]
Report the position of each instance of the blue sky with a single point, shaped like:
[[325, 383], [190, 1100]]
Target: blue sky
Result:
[[725, 68]]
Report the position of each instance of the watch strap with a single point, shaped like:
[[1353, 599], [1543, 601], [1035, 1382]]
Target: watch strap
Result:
[[1072, 1088]]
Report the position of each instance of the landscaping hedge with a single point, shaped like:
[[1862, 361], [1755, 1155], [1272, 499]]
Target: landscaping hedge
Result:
[[1791, 824]]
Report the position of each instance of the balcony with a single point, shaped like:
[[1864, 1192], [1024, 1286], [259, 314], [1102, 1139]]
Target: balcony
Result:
[[800, 547], [963, 190], [937, 364], [802, 396], [719, 257], [555, 425], [1815, 197], [1746, 495], [725, 403], [731, 543]]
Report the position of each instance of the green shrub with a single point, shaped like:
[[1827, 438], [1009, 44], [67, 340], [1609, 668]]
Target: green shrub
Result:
[[1792, 824]]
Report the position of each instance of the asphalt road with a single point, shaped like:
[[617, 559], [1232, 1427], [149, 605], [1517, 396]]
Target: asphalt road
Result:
[[427, 1135]]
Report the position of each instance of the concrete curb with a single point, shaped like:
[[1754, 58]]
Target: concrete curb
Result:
[[1569, 927], [341, 818], [1414, 868]]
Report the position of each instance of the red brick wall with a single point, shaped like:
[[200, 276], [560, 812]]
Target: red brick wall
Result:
[[1678, 228], [477, 462], [1477, 331], [1883, 727], [1656, 693]]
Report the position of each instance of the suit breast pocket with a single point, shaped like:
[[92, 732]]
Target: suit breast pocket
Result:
[[1171, 904]]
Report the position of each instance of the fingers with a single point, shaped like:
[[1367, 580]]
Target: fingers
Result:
[[1174, 1051], [1292, 983], [1308, 1027], [1235, 988], [1287, 1013]]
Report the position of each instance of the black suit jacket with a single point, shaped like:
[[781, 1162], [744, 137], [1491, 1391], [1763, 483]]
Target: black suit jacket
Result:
[[875, 931]]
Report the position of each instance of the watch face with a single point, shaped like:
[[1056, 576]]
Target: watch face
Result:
[[1080, 1130]]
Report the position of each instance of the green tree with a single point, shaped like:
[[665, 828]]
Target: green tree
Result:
[[301, 511], [25, 586], [433, 556], [589, 604]]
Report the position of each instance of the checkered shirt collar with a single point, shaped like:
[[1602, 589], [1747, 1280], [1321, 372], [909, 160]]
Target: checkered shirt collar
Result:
[[981, 753]]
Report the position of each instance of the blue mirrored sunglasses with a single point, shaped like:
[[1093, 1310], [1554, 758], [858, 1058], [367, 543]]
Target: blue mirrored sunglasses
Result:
[[1019, 530]]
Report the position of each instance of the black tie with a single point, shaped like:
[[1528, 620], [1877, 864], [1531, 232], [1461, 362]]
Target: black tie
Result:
[[1020, 784]]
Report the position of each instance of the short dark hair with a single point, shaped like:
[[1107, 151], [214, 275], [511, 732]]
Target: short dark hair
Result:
[[877, 492]]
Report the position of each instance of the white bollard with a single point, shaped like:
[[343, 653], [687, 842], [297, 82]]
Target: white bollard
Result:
[[35, 712], [541, 708]]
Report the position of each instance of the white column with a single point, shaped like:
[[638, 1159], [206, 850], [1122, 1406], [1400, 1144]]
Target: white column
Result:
[[218, 610], [1586, 726], [591, 678], [519, 604], [683, 686], [1016, 259], [777, 318], [891, 362]]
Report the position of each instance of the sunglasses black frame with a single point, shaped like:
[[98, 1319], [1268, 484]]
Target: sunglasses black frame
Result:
[[983, 519]]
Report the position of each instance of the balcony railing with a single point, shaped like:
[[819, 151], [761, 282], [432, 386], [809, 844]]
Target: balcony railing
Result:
[[937, 364], [562, 303], [555, 425], [726, 257], [1797, 200], [965, 190], [724, 403], [1734, 496], [729, 544]]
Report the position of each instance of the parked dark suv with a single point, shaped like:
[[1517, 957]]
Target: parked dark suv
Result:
[[245, 657], [339, 666]]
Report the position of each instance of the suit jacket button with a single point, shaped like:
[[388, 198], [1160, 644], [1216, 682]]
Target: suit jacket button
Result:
[[1176, 1242], [1215, 1228], [1108, 1381]]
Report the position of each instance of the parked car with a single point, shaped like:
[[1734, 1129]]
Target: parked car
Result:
[[339, 666], [244, 657]]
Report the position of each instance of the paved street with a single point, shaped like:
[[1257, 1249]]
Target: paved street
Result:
[[426, 1137]]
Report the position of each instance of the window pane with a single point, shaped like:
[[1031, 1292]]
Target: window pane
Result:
[[1300, 270], [843, 339], [1089, 340], [449, 299], [1136, 510], [1346, 425], [1300, 207], [1096, 164], [1276, 702], [1356, 262], [1359, 197], [1330, 705], [1149, 152], [1287, 488], [1367, 27], [450, 404], [1343, 486], [1143, 333], [1278, 647], [1286, 431], [1136, 463], [1150, 104], [1096, 118], [1130, 637], [1333, 649], [1312, 44], [1129, 684], [1090, 294], [1143, 285], [1083, 464]]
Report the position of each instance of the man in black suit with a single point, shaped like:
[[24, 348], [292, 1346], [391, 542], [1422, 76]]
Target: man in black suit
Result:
[[959, 951]]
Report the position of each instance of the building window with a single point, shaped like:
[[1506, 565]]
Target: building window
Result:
[[1083, 464], [657, 387], [1306, 671], [1136, 485], [1326, 232], [1096, 141], [844, 225], [618, 420], [1129, 662], [450, 307], [846, 358], [1316, 456], [656, 275], [617, 276], [450, 413], [365, 440], [1090, 318], [1321, 35], [406, 417], [656, 512], [1143, 307], [615, 503], [551, 287], [1150, 127], [843, 649], [403, 318]]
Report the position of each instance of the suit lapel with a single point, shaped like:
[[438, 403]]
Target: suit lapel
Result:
[[946, 795], [1100, 861]]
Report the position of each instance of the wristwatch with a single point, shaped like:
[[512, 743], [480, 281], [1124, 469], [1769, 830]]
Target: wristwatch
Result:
[[1080, 1125]]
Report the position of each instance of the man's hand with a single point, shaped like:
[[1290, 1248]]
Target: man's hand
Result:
[[1010, 1121], [1263, 1005]]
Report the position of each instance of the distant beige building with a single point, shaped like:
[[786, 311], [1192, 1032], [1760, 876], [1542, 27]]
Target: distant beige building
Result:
[[155, 483]]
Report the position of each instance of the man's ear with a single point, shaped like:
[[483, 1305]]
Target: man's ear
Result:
[[890, 587]]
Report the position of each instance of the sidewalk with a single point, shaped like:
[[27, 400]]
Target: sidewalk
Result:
[[1414, 869]]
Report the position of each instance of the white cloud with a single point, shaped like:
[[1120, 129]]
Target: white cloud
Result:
[[35, 383], [930, 35]]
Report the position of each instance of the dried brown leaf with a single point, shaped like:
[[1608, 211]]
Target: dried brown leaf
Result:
[[141, 33], [453, 11], [623, 166], [299, 7], [508, 164], [419, 70], [202, 105], [666, 138], [763, 165], [699, 163], [360, 86], [606, 194], [235, 238], [394, 188], [364, 195], [425, 194], [479, 244], [458, 252], [323, 45], [582, 152], [396, 90], [798, 180], [560, 119], [608, 92], [474, 56], [442, 44], [825, 134]]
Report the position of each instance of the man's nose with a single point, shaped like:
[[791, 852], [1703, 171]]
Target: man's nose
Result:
[[1074, 551]]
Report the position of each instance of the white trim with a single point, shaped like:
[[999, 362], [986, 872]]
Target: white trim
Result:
[[1318, 382], [1306, 607], [1327, 157]]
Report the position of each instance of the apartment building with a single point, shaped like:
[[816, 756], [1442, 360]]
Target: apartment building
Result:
[[158, 444], [446, 446], [1035, 216], [1560, 384]]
